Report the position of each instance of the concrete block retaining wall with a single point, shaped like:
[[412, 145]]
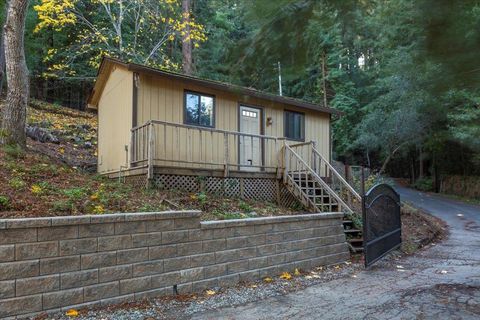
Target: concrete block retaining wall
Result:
[[52, 264]]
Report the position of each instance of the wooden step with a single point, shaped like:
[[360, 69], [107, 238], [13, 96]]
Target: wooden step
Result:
[[355, 240], [353, 231]]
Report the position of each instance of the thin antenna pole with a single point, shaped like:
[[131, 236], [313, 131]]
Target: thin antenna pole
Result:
[[279, 78]]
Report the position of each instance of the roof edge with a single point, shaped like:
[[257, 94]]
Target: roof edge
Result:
[[96, 92]]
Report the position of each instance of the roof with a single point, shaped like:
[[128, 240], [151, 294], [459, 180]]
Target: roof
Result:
[[108, 63]]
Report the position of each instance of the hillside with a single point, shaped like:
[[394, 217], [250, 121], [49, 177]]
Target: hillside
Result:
[[56, 176]]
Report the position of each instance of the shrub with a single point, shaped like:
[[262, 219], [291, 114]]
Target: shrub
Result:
[[424, 184], [14, 151], [202, 198], [16, 183], [4, 203], [245, 207], [63, 206], [76, 194]]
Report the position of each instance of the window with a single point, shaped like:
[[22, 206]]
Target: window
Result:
[[199, 109], [294, 124], [249, 114]]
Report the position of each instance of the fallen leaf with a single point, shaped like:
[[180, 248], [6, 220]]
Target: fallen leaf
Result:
[[253, 286], [297, 272], [267, 279], [210, 292], [286, 276], [72, 313]]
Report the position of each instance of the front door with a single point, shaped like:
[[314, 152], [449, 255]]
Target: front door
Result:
[[250, 147]]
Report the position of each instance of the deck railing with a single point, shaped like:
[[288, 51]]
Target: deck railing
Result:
[[178, 145]]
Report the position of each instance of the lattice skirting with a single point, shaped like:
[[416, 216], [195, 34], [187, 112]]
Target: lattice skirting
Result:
[[137, 181], [265, 189]]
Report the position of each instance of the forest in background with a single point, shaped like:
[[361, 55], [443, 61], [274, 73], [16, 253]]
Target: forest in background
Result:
[[404, 72]]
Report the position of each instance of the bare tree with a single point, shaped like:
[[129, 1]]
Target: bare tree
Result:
[[186, 41], [14, 113]]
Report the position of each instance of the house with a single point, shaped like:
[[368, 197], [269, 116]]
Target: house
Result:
[[181, 132]]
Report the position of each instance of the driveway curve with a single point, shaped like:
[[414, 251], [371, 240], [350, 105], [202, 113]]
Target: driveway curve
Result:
[[441, 282]]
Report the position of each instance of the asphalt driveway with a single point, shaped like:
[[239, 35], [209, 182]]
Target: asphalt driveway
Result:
[[441, 282]]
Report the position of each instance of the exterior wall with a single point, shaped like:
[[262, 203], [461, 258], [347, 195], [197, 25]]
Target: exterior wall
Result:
[[52, 264], [163, 99], [115, 120]]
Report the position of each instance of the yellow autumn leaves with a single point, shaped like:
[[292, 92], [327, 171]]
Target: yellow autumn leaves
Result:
[[284, 276], [136, 32], [72, 313]]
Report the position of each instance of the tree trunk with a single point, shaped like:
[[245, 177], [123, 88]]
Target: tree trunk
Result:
[[2, 59], [324, 78], [390, 157], [420, 165], [186, 41], [2, 49], [14, 113]]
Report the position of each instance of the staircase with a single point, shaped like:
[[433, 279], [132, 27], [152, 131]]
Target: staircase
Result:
[[320, 188]]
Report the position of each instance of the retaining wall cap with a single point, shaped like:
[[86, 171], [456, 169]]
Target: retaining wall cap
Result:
[[87, 219], [266, 220]]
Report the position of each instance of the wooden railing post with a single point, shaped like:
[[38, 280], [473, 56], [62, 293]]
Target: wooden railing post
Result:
[[314, 164], [132, 148], [286, 160], [150, 151], [226, 154]]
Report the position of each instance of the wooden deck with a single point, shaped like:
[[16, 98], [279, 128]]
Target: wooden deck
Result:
[[203, 151]]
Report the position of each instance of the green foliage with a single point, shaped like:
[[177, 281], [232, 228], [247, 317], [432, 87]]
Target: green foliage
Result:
[[424, 184], [245, 207], [228, 215], [14, 151], [76, 194], [148, 207], [202, 198], [403, 72], [17, 183], [4, 203], [356, 219], [66, 206]]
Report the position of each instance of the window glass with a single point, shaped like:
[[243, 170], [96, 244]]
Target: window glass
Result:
[[191, 105], [206, 111], [294, 125], [199, 109]]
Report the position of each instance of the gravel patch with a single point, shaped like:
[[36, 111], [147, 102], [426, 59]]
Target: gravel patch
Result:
[[183, 306]]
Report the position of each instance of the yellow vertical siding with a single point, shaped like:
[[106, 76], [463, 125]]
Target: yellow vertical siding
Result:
[[115, 120], [162, 99]]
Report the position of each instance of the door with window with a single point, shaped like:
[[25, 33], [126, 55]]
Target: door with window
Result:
[[250, 147]]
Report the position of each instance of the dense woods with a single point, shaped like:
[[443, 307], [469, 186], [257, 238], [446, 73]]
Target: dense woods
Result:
[[405, 73]]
